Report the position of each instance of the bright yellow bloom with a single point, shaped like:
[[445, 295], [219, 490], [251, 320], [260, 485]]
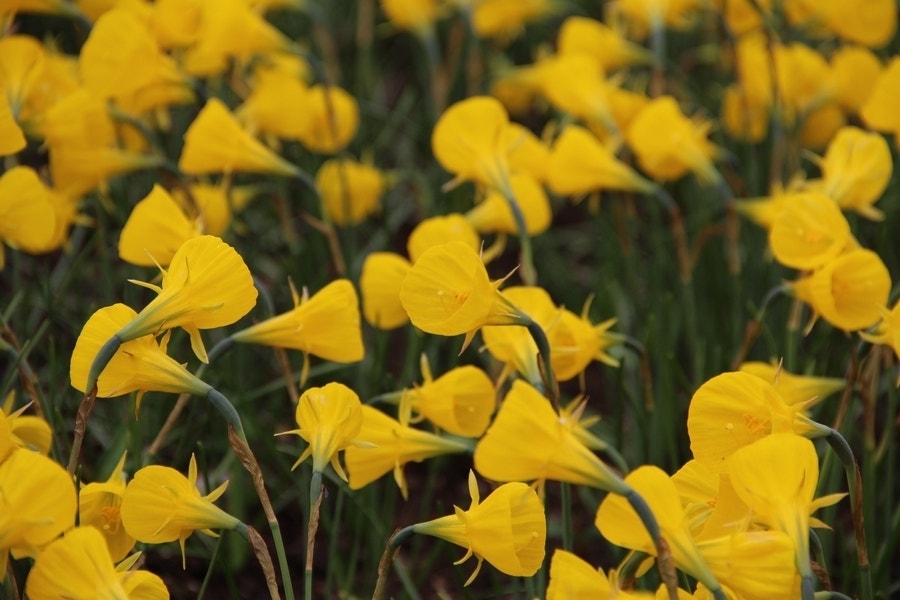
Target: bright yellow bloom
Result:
[[575, 342], [326, 325], [461, 401], [856, 169], [871, 24], [379, 283], [581, 35], [276, 105], [878, 112], [528, 441], [174, 23], [580, 164], [214, 205], [576, 84], [79, 566], [572, 578], [887, 331], [99, 505], [447, 292], [752, 565], [505, 19], [37, 504], [742, 118], [508, 529], [494, 215], [809, 232], [332, 119], [121, 58], [155, 230], [11, 137], [417, 16], [849, 291], [27, 219], [805, 390], [733, 410], [668, 145], [25, 431], [802, 77], [642, 16], [162, 505], [215, 142], [140, 364], [207, 285], [350, 190], [440, 230], [22, 60], [854, 71], [390, 444], [777, 477], [330, 419]]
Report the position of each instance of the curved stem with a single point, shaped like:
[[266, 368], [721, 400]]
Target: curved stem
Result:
[[540, 340], [107, 351], [529, 274], [387, 559], [210, 568], [854, 484], [316, 491]]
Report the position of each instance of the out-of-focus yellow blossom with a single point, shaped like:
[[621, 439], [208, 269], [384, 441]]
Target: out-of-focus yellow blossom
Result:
[[417, 16], [742, 16], [214, 205], [53, 7], [733, 410], [576, 84], [528, 441], [332, 119], [872, 23], [576, 342], [27, 219], [582, 35], [175, 23], [440, 230], [379, 283], [121, 58], [389, 445], [494, 215], [11, 137], [99, 505], [229, 29], [741, 118], [447, 292], [849, 291], [803, 79], [155, 230], [161, 505], [505, 19], [879, 110], [207, 285], [22, 60], [276, 105], [763, 211], [642, 16], [820, 126], [571, 577], [805, 390], [887, 331], [526, 152], [856, 170], [809, 232], [215, 143], [854, 71], [78, 565], [350, 190], [329, 419], [668, 145], [580, 164], [37, 500], [461, 401], [746, 105], [508, 529], [326, 325]]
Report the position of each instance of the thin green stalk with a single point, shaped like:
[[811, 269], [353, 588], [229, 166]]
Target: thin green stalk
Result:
[[543, 345], [854, 484], [387, 559], [211, 568], [528, 272], [316, 491], [566, 499]]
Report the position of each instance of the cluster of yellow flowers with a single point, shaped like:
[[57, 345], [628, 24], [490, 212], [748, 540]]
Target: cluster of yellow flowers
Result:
[[736, 518]]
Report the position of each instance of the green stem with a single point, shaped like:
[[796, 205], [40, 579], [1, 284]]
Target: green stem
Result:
[[566, 498], [211, 568], [529, 274], [807, 588], [316, 491], [854, 484], [617, 459], [387, 559], [227, 410], [543, 345], [106, 353]]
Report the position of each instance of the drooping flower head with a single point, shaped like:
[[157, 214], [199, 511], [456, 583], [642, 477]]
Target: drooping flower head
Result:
[[379, 283], [809, 232], [350, 190], [332, 119], [330, 419], [155, 230], [390, 444], [27, 219], [325, 325], [508, 529], [99, 505], [572, 577], [440, 230], [493, 214], [207, 285], [447, 292], [25, 431], [528, 441], [79, 565], [139, 365], [161, 505], [806, 390]]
